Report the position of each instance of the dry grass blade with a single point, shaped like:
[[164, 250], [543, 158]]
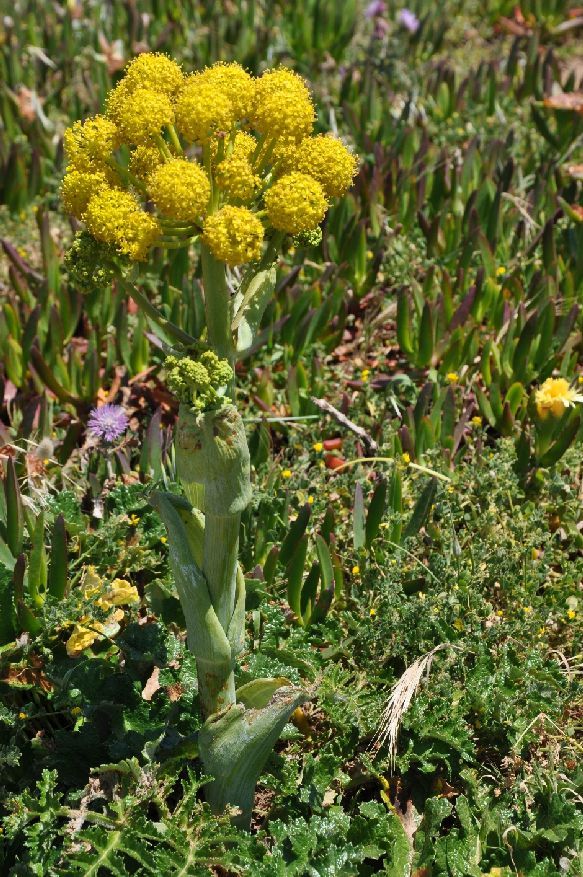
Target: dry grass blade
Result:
[[402, 694]]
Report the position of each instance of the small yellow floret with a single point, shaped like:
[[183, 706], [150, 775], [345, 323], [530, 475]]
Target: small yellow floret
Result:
[[295, 203], [236, 179], [234, 235], [78, 187], [119, 593], [283, 106], [327, 160], [180, 189], [156, 71], [139, 114], [235, 83], [91, 141], [144, 160], [115, 217], [554, 397], [82, 637], [202, 110]]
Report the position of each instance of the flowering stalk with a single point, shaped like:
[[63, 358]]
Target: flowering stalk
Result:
[[262, 177]]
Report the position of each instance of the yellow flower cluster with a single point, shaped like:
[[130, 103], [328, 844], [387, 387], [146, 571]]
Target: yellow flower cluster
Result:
[[327, 160], [115, 217], [118, 593], [295, 203], [236, 178], [233, 235], [554, 397], [180, 189], [228, 153]]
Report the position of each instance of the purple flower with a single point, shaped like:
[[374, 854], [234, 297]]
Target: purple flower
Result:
[[108, 422], [375, 9], [409, 20]]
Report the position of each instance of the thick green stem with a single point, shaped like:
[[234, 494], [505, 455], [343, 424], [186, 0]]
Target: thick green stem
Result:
[[217, 306], [221, 544]]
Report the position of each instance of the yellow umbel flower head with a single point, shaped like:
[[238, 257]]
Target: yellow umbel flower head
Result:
[[283, 106], [144, 160], [115, 217], [180, 189], [91, 141], [235, 177], [78, 187], [327, 160], [235, 83], [202, 110], [244, 145], [154, 71], [234, 235], [554, 397], [295, 203], [139, 114]]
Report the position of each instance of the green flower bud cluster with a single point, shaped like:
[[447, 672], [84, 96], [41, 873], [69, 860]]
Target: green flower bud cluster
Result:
[[91, 264], [201, 383], [310, 238]]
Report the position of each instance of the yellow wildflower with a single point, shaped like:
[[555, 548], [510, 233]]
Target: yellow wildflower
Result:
[[91, 141], [115, 217], [22, 716], [155, 71], [327, 160], [364, 375], [235, 83], [283, 106], [356, 570], [144, 160], [234, 235], [83, 637], [310, 500], [202, 110], [500, 270], [452, 377], [477, 421], [571, 614], [78, 187], [287, 473], [406, 458], [235, 177], [372, 612], [119, 593], [554, 397], [163, 540], [295, 203], [140, 114], [458, 624], [180, 189], [318, 447]]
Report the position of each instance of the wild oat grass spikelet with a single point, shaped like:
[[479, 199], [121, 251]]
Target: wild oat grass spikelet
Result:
[[283, 105], [327, 160], [234, 235], [155, 71], [295, 203], [115, 217], [235, 83], [139, 114], [91, 141], [235, 177], [202, 110], [180, 189]]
